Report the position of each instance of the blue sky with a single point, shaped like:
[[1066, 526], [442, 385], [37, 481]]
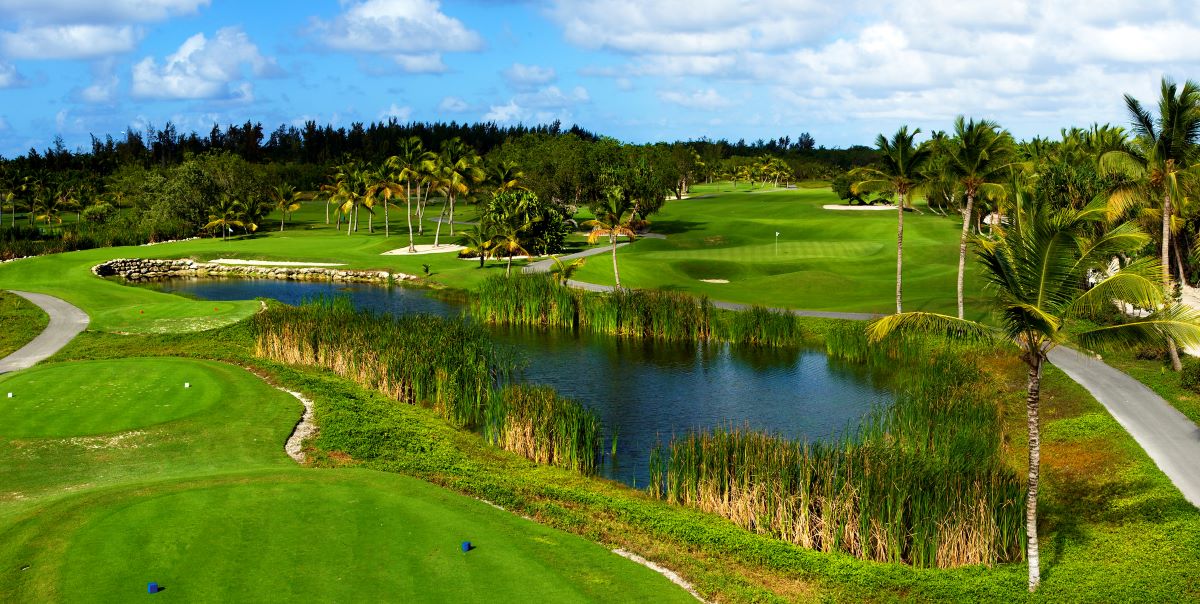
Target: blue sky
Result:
[[638, 70]]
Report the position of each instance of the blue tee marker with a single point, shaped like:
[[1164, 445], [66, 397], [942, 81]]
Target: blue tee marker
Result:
[[466, 546], [152, 588]]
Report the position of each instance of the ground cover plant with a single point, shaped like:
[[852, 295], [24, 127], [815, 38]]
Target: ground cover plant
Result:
[[207, 504], [23, 321]]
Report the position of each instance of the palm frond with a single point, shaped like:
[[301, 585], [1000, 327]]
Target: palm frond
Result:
[[1176, 322], [909, 323]]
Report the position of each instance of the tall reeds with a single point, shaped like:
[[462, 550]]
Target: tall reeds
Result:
[[921, 482], [448, 365], [538, 300]]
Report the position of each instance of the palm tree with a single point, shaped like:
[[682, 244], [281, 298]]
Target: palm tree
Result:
[[507, 176], [287, 199], [407, 166], [509, 240], [228, 213], [1162, 164], [1037, 269], [458, 171], [563, 271], [900, 172], [612, 222], [477, 240], [979, 159]]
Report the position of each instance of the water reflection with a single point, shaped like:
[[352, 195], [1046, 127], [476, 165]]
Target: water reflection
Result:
[[644, 391]]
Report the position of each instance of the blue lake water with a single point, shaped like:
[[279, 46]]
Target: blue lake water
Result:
[[646, 391]]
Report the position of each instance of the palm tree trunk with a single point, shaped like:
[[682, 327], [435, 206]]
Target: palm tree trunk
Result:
[[386, 225], [449, 203], [616, 273], [327, 204], [962, 251], [1176, 365], [408, 207], [899, 252], [1032, 400], [508, 269], [281, 222]]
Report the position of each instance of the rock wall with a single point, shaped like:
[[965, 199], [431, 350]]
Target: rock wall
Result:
[[139, 270]]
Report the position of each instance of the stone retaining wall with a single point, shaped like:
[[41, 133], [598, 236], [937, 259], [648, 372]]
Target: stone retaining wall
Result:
[[139, 270]]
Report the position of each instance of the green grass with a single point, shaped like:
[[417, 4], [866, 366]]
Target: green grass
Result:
[[208, 505], [23, 321], [98, 397], [825, 260]]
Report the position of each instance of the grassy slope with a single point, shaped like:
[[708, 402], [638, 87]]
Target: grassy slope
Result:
[[825, 260], [208, 505], [22, 320]]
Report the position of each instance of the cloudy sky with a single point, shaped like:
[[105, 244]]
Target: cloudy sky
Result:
[[639, 70]]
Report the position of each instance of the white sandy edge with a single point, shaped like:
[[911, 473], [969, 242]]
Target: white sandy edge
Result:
[[425, 249], [671, 575], [304, 428], [715, 280], [859, 208], [235, 261]]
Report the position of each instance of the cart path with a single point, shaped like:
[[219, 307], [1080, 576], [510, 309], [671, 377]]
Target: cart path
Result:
[[1168, 436], [66, 321]]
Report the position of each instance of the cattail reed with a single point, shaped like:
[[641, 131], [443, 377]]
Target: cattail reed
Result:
[[448, 365], [921, 483]]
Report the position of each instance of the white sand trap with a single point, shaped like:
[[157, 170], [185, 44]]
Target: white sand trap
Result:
[[715, 280], [271, 262], [859, 208], [425, 249]]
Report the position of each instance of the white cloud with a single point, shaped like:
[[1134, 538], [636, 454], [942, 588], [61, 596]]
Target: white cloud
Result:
[[204, 69], [414, 33], [1022, 61], [93, 11], [68, 41], [544, 105], [708, 99], [400, 114], [9, 76], [529, 76], [453, 104], [102, 90]]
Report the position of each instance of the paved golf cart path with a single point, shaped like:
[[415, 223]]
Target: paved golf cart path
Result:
[[66, 321], [1168, 436]]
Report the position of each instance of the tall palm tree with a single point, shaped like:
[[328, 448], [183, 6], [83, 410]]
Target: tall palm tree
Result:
[[477, 240], [287, 199], [563, 271], [507, 176], [1162, 163], [979, 159], [226, 214], [458, 171], [900, 172], [1037, 268], [408, 166], [509, 239], [614, 218]]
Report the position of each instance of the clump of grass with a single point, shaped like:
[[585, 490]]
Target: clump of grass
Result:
[[535, 422], [538, 300], [922, 482], [449, 365]]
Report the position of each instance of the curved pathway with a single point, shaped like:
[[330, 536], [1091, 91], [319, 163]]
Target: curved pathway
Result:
[[66, 321], [1168, 436]]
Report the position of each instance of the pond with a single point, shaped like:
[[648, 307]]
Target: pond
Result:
[[645, 391]]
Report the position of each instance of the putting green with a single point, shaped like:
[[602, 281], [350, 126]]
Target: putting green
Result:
[[100, 397], [330, 536]]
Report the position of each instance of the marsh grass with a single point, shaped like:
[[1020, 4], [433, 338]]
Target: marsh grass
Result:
[[449, 365], [538, 300], [922, 482]]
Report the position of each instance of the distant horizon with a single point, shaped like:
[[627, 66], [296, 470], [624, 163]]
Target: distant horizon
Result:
[[660, 70]]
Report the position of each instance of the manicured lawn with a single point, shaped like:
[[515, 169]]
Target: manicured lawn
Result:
[[23, 321], [824, 260], [205, 503]]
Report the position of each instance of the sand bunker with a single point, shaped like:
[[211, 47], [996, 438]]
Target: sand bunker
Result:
[[271, 262], [859, 208], [715, 280], [425, 249]]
